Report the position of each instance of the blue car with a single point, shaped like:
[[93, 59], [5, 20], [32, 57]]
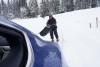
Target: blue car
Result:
[[20, 47]]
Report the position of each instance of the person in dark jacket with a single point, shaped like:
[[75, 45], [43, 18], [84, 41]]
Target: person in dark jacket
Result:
[[52, 23]]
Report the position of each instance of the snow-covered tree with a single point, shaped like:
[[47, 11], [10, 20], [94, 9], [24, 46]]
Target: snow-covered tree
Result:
[[55, 5], [16, 8], [44, 10], [22, 3], [70, 5], [34, 9], [19, 8], [94, 3], [78, 4], [3, 9], [64, 5], [98, 2], [67, 5], [86, 4], [49, 7], [0, 8], [23, 12], [23, 8], [10, 14]]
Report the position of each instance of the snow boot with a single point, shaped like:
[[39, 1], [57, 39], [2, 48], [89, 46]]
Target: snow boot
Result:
[[57, 40], [52, 40]]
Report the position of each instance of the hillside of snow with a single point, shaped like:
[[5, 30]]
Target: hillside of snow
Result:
[[80, 44]]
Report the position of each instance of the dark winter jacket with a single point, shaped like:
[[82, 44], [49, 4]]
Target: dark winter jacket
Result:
[[52, 22]]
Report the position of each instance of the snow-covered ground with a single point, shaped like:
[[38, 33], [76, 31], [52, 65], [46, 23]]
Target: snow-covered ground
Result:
[[80, 44]]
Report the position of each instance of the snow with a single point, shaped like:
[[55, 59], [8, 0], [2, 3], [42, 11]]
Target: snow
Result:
[[80, 45]]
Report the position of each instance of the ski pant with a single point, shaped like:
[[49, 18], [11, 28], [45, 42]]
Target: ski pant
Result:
[[54, 32]]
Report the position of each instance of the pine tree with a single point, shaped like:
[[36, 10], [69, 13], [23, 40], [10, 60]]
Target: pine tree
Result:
[[94, 3], [16, 8], [3, 9], [24, 10], [49, 7], [44, 10], [67, 5], [56, 6], [10, 14], [86, 4], [34, 9], [23, 3], [78, 4], [64, 5], [9, 8], [70, 5], [98, 1], [83, 4], [0, 8]]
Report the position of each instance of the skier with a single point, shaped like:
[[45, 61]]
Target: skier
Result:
[[52, 23]]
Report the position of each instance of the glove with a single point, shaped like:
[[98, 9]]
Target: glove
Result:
[[48, 26], [54, 26]]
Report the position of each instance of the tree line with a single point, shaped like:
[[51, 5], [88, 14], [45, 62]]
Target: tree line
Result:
[[23, 9]]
